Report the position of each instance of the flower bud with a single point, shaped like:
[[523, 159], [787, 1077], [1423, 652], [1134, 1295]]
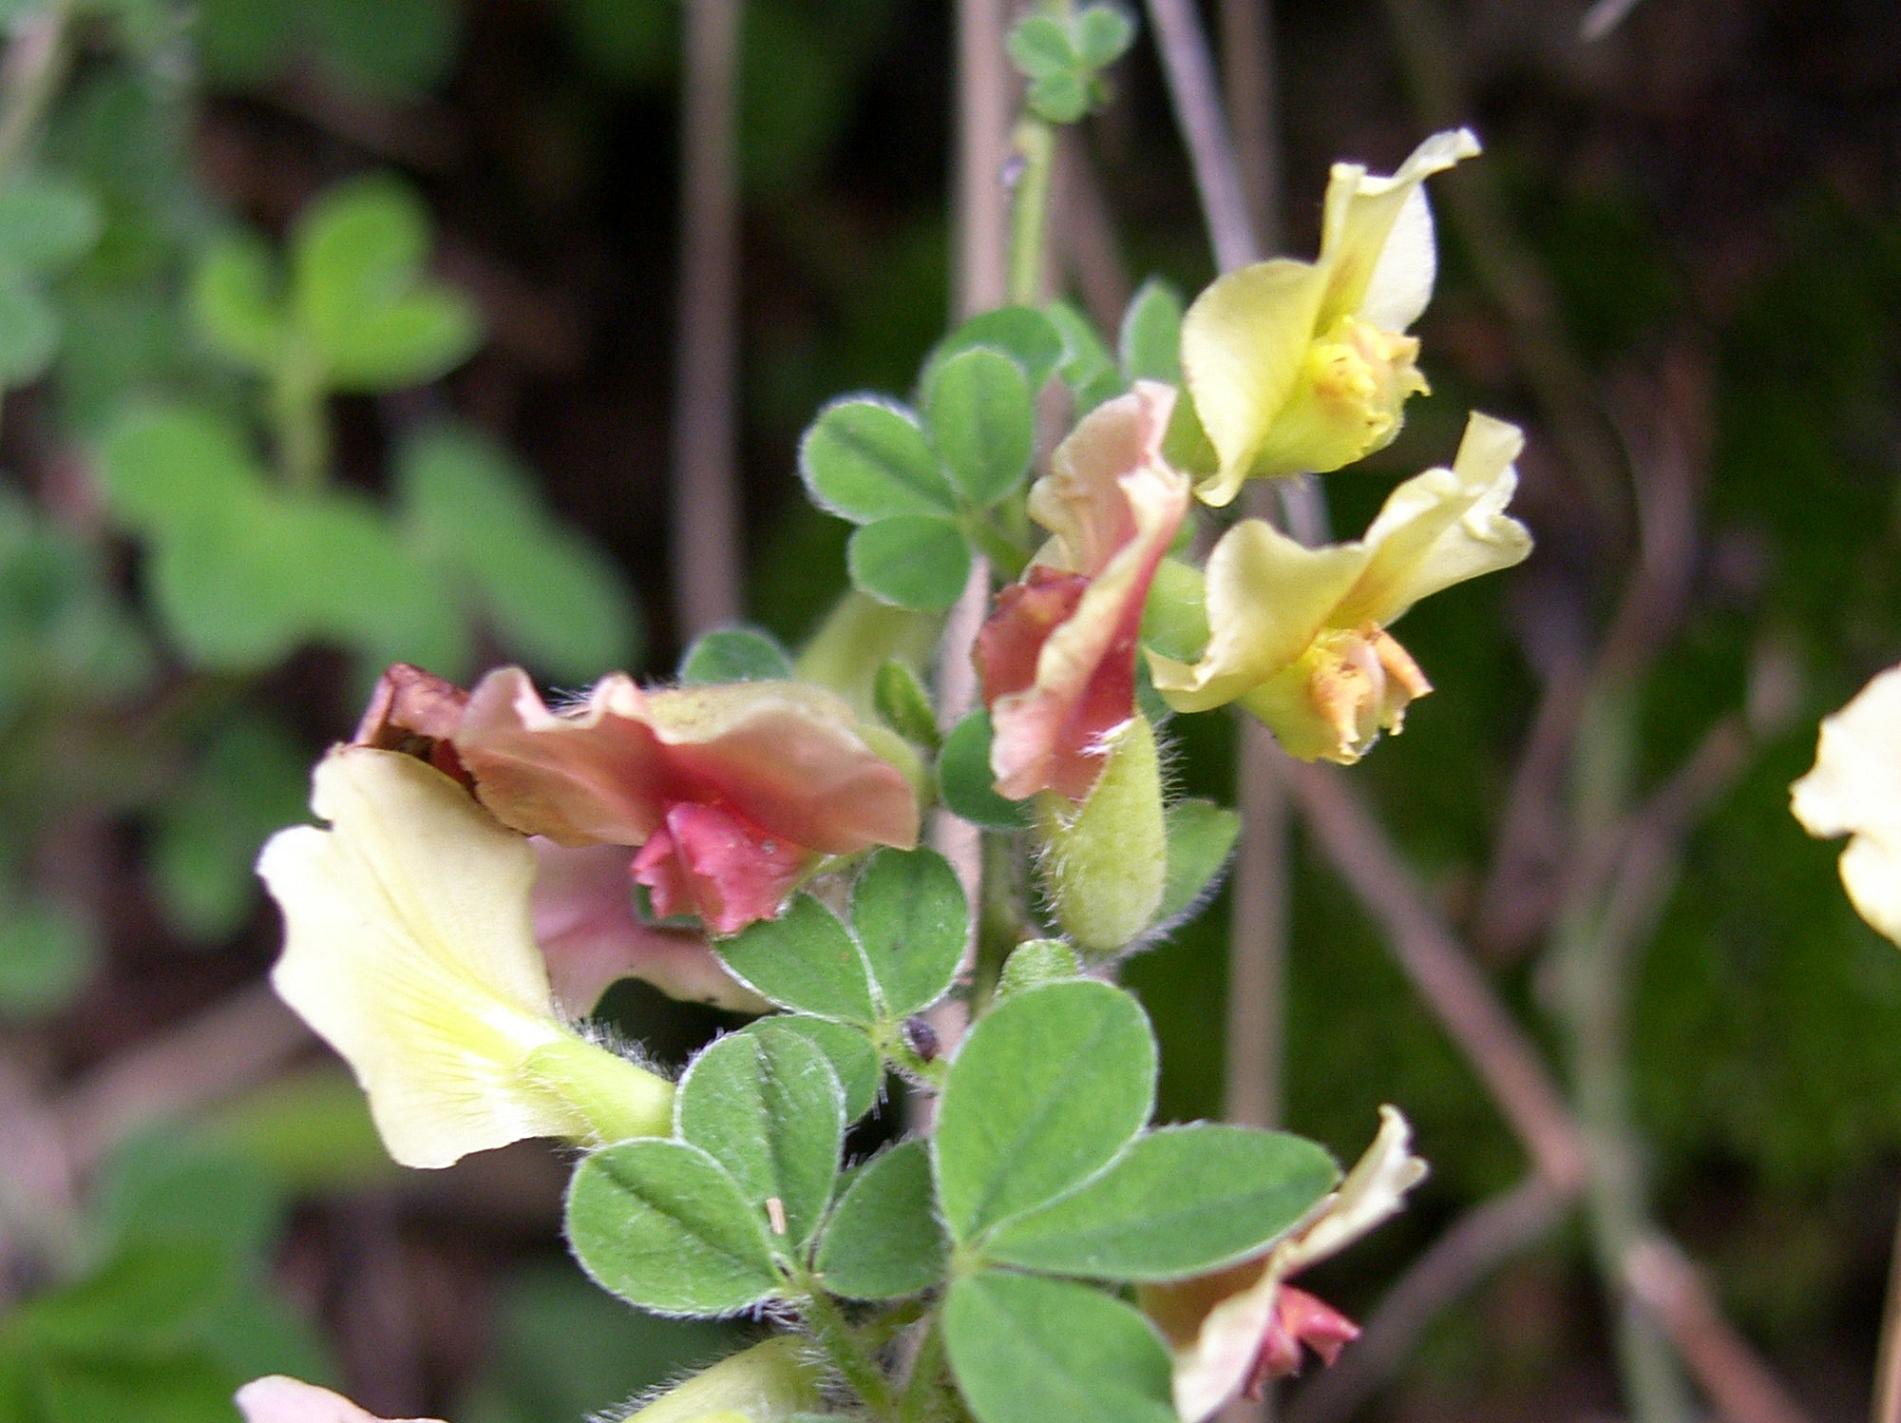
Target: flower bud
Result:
[[763, 1384], [1105, 861]]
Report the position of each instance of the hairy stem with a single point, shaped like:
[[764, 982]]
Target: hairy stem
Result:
[[855, 1363]]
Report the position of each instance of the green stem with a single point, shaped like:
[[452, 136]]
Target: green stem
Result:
[[1029, 212], [303, 434], [923, 1392], [835, 1335]]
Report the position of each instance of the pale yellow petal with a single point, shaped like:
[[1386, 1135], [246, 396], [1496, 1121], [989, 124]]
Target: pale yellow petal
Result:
[[1244, 346], [1363, 213], [1400, 288], [1442, 527], [1373, 1192], [1855, 789], [407, 947], [1104, 476], [1214, 1366], [1268, 598], [285, 1400]]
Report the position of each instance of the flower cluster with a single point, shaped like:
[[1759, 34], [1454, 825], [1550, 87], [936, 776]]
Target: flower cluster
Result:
[[491, 861]]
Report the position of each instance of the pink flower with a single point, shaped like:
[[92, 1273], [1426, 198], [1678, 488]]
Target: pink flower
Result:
[[585, 923], [731, 793], [1057, 656]]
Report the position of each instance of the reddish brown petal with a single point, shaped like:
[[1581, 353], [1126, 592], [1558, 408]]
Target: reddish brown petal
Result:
[[1107, 484], [417, 713], [1025, 615], [783, 756]]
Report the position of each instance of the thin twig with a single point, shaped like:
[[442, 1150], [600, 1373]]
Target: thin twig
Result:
[[1476, 1244], [1196, 99], [238, 1041], [1667, 1286], [1257, 948], [707, 578], [1248, 71], [1441, 971], [1887, 1402]]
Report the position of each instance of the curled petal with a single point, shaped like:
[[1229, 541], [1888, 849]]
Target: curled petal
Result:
[[1854, 789], [1372, 1193], [1442, 527], [1085, 499], [284, 1400], [1074, 632], [591, 938], [1376, 235], [415, 712], [783, 755]]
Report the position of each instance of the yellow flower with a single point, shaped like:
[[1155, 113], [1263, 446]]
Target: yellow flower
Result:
[[1855, 790], [1299, 367], [1298, 635], [408, 948], [1229, 1331]]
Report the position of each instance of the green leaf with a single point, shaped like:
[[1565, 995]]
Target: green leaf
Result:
[[884, 1241], [860, 1070], [903, 703], [1180, 1201], [803, 960], [182, 1388], [165, 469], [982, 424], [48, 955], [371, 318], [865, 459], [912, 921], [46, 223], [1151, 337], [911, 561], [1040, 45], [237, 302], [1046, 1090], [662, 1225], [769, 1108], [1201, 836], [250, 780], [1102, 34], [149, 1298], [965, 781], [1060, 98], [1025, 1350], [1089, 368], [734, 655], [166, 1186], [29, 331], [549, 592], [1037, 961], [1022, 333], [385, 48]]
